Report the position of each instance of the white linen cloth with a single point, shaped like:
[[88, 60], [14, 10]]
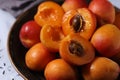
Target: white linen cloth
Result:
[[7, 72]]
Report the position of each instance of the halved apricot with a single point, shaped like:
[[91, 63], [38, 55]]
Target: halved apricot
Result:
[[81, 21], [49, 13], [76, 49], [51, 37]]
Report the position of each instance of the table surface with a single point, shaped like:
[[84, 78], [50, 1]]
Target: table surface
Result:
[[7, 18]]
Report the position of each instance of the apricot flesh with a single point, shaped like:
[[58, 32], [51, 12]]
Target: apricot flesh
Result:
[[76, 50], [81, 21], [106, 40], [51, 37], [101, 68], [58, 69], [49, 13]]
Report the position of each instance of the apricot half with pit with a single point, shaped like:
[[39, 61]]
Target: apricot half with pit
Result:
[[81, 21], [49, 13], [76, 50], [51, 37]]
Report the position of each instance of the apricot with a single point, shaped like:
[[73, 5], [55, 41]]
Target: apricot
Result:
[[74, 4], [29, 33], [76, 50], [81, 21], [106, 40], [101, 68], [104, 10], [117, 20], [49, 13], [51, 37], [37, 57], [58, 69]]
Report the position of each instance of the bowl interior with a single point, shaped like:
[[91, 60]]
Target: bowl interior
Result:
[[17, 50]]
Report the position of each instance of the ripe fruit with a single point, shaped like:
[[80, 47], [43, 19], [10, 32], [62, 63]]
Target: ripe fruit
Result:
[[58, 69], [101, 68], [49, 13], [37, 57], [106, 40], [73, 4], [29, 33], [81, 21], [51, 37], [104, 11], [76, 50]]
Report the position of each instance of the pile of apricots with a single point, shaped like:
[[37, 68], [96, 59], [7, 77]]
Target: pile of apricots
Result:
[[74, 41]]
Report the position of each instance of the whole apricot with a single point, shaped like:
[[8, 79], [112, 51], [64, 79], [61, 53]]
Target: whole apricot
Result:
[[37, 57], [104, 10], [76, 50], [106, 40], [29, 33], [101, 68], [58, 69]]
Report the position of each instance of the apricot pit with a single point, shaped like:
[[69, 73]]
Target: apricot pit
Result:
[[75, 48], [77, 23]]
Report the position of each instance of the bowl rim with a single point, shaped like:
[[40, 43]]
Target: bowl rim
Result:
[[8, 39]]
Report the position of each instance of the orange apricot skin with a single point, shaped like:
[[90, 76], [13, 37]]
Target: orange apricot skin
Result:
[[85, 58], [106, 40], [37, 57], [88, 27], [49, 13], [74, 4], [101, 68], [58, 69], [104, 11], [51, 37]]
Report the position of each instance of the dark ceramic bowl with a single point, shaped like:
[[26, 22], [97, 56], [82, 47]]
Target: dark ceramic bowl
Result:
[[16, 49]]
